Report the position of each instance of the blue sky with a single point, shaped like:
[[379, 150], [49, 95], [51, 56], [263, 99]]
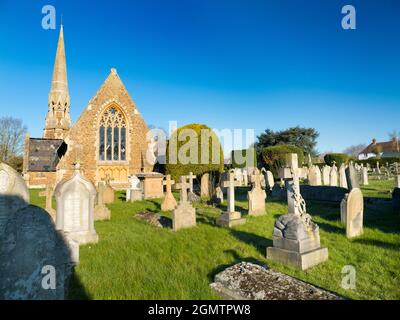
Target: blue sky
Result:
[[229, 64]]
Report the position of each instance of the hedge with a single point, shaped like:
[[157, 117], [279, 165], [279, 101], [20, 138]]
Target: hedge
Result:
[[176, 169], [240, 154], [275, 157], [382, 161], [339, 158]]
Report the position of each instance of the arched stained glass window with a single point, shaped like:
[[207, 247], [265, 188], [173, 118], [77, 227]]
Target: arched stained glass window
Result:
[[112, 135]]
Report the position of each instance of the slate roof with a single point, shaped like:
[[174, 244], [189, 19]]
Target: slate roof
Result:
[[44, 154]]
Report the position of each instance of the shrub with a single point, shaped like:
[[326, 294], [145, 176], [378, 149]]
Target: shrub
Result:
[[382, 161], [339, 158], [204, 141], [241, 154], [275, 157]]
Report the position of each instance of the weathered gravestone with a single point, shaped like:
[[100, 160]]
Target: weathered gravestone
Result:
[[35, 260], [245, 178], [108, 192], [326, 175], [184, 215], [342, 176], [256, 196], [398, 181], [231, 217], [296, 237], [314, 176], [333, 176], [205, 185], [351, 176], [75, 208], [135, 191], [14, 194], [169, 202], [268, 178], [192, 197], [101, 212], [352, 212], [364, 175], [48, 194], [218, 195]]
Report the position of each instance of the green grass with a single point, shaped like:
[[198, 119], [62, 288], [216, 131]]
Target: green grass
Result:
[[134, 260], [379, 188]]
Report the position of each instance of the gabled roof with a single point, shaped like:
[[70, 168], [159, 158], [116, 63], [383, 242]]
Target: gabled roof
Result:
[[388, 146], [44, 154]]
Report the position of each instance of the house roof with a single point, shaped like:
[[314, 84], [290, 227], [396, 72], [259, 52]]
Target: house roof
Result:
[[388, 146], [44, 154]]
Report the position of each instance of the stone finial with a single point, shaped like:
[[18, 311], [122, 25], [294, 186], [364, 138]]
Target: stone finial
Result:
[[114, 71]]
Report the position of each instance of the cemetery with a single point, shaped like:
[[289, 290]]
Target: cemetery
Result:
[[110, 207]]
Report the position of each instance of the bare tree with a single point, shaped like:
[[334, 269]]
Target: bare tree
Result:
[[394, 135], [12, 133], [355, 149]]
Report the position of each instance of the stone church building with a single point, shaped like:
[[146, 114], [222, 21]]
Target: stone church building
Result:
[[108, 139]]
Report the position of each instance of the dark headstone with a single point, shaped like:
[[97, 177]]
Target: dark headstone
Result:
[[352, 177], [396, 200]]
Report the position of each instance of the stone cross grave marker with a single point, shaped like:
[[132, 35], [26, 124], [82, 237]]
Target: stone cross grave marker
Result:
[[184, 215], [231, 217], [169, 202]]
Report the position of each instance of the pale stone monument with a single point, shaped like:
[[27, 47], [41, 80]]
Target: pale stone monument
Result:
[[352, 212], [245, 178], [326, 175], [75, 208], [135, 191], [48, 194], [169, 202], [333, 176], [218, 195], [192, 197], [184, 215], [296, 237], [14, 194], [364, 176], [342, 176], [108, 192], [268, 178], [351, 176], [314, 176], [239, 176], [30, 250], [101, 212], [152, 183], [398, 181], [256, 196], [231, 217], [205, 185]]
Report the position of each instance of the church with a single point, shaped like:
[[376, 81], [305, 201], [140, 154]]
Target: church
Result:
[[108, 139]]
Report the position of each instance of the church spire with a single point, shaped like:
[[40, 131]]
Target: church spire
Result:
[[58, 120]]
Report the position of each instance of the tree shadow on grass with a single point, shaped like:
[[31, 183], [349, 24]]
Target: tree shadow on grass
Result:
[[236, 259], [260, 243], [122, 196], [378, 243]]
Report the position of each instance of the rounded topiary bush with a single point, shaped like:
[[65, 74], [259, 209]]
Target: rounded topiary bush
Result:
[[248, 155], [339, 158], [275, 157], [193, 148]]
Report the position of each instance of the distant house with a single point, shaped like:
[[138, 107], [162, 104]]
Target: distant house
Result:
[[385, 149]]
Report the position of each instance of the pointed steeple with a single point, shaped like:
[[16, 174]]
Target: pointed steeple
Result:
[[58, 120]]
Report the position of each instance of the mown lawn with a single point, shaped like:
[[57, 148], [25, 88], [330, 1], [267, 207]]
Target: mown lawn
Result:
[[134, 260]]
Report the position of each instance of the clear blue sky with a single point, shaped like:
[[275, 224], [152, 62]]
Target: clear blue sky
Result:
[[229, 64]]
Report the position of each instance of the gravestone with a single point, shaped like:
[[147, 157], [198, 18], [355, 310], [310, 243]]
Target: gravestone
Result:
[[256, 196], [75, 208], [333, 176], [296, 237], [269, 179], [342, 177], [169, 202], [245, 178], [108, 194], [364, 176], [218, 195], [48, 194], [33, 253], [239, 176], [192, 197], [101, 212], [314, 176], [352, 213], [231, 217], [184, 215], [205, 185], [398, 181], [14, 194], [326, 175], [135, 191], [351, 176]]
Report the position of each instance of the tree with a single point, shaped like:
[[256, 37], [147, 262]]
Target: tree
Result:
[[354, 150], [12, 133], [304, 138], [394, 135]]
